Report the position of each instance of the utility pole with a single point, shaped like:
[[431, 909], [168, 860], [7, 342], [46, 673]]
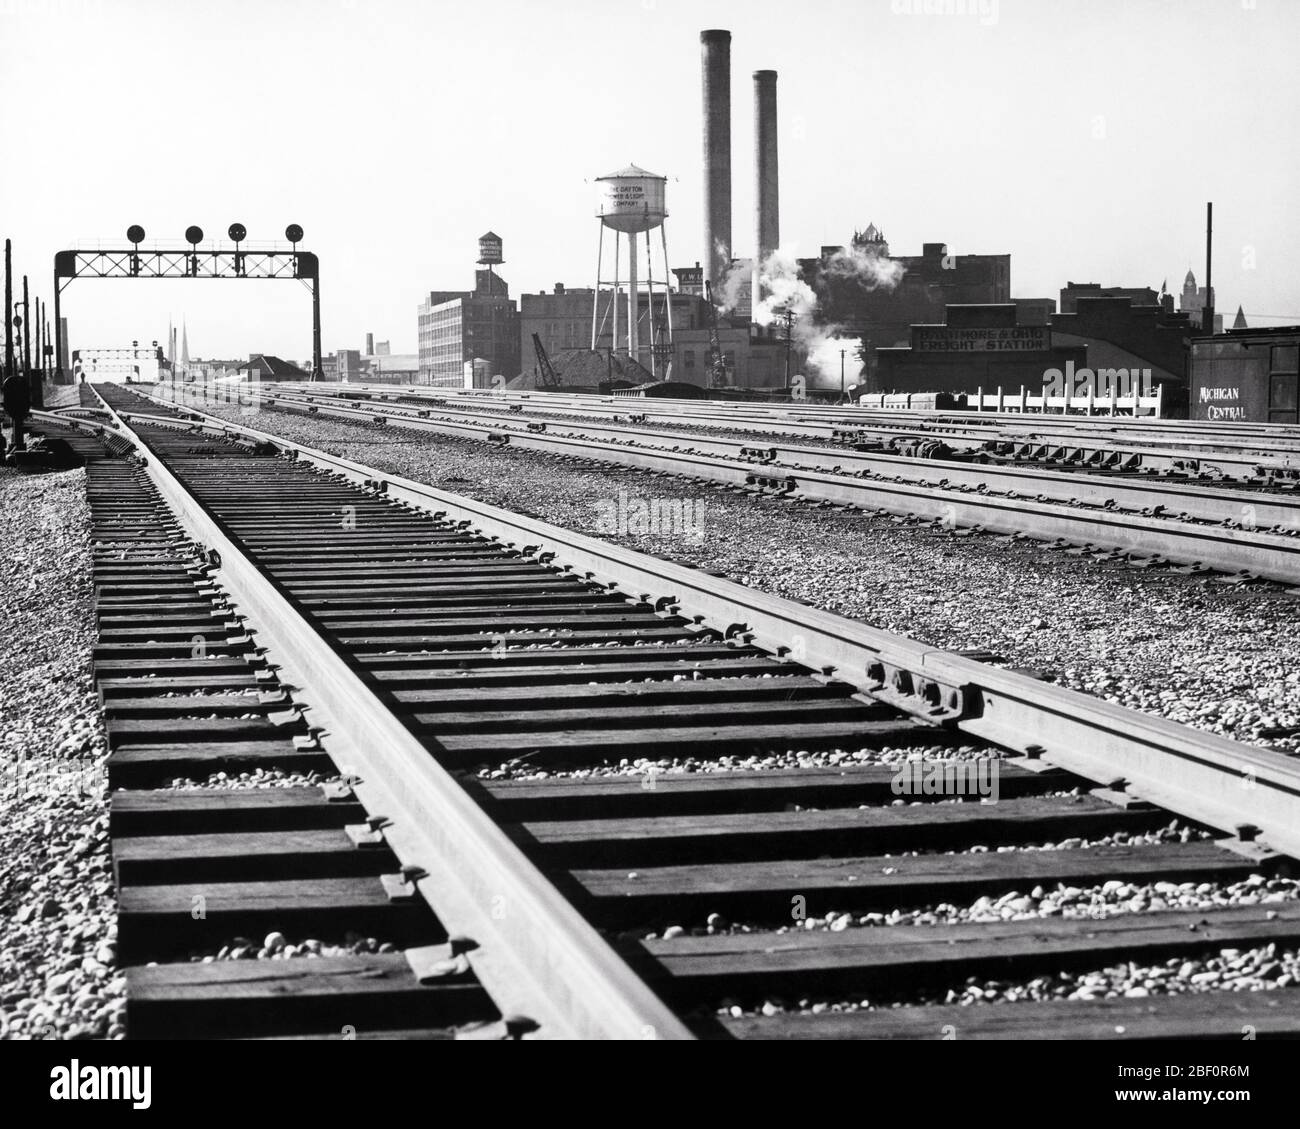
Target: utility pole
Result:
[[1207, 311], [9, 309], [27, 336], [789, 334], [40, 350], [842, 352]]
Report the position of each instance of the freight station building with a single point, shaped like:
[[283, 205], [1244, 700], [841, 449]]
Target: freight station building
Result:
[[979, 346], [1013, 345]]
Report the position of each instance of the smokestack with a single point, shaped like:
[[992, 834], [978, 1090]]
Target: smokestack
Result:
[[767, 211], [715, 56], [1207, 311], [370, 344]]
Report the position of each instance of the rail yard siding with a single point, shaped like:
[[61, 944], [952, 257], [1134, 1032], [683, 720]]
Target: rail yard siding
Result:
[[1194, 650]]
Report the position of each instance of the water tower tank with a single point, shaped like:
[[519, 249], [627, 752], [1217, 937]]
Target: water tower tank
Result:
[[631, 199]]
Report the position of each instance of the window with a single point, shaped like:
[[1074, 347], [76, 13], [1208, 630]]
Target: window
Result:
[[688, 358]]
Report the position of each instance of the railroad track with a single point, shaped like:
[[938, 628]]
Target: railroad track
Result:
[[1064, 474], [1178, 448], [1199, 527], [302, 614], [260, 611]]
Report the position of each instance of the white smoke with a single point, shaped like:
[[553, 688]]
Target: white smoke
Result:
[[873, 270], [784, 292], [825, 358]]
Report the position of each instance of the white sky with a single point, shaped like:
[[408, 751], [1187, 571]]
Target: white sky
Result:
[[397, 131]]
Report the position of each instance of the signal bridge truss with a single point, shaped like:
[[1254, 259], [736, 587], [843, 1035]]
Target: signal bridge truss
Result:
[[189, 263]]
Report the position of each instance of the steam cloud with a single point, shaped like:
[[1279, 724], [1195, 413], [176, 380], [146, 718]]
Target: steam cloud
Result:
[[873, 270], [824, 359], [786, 290]]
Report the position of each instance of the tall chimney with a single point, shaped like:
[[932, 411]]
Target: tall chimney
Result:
[[715, 54], [767, 210], [1207, 311], [370, 344]]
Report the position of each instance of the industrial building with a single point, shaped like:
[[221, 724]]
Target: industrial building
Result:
[[460, 327], [974, 347], [562, 321], [1071, 292], [262, 367], [991, 346], [374, 365], [1119, 334], [1251, 375], [873, 294]]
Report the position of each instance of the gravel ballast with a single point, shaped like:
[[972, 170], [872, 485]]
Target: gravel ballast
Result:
[[58, 976], [1218, 656]]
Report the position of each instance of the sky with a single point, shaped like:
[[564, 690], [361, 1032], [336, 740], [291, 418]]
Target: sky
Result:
[[1082, 137]]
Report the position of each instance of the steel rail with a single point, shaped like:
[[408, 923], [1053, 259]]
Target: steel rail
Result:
[[1272, 556], [1140, 495], [981, 422], [534, 953], [1086, 444], [976, 424], [1245, 791]]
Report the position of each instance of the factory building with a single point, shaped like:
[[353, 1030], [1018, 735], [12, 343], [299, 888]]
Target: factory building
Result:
[[265, 368], [1250, 375], [562, 320], [456, 327], [991, 346], [1071, 292], [878, 296], [1034, 311], [1118, 334], [974, 347]]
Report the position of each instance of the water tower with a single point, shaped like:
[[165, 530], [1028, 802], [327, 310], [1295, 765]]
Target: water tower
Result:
[[631, 202]]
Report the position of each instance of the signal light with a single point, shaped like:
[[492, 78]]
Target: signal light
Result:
[[237, 232], [193, 234]]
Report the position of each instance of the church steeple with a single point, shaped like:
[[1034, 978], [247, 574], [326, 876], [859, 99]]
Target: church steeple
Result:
[[1240, 321]]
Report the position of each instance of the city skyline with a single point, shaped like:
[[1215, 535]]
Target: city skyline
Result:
[[1088, 163]]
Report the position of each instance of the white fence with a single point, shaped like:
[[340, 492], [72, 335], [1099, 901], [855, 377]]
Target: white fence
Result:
[[1112, 405]]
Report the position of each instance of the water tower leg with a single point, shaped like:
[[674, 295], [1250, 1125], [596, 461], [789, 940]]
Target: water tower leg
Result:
[[650, 307], [633, 326], [668, 288], [613, 336], [595, 294]]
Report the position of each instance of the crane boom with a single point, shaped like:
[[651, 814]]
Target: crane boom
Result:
[[717, 366], [549, 376]]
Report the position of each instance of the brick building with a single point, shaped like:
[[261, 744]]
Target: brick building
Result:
[[459, 326]]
